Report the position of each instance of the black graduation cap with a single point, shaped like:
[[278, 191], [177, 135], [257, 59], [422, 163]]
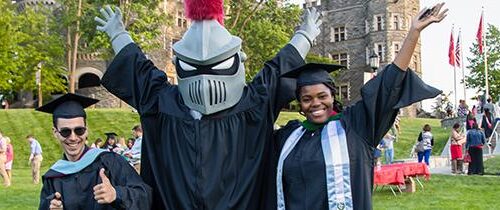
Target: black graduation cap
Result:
[[111, 134], [313, 73], [68, 106]]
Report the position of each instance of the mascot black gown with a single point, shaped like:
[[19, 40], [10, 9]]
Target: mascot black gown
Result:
[[206, 139]]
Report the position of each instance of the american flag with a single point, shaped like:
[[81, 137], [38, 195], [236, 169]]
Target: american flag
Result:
[[457, 51]]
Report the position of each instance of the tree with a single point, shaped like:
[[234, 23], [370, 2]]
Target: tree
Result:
[[142, 18], [264, 26], [26, 41], [476, 77], [7, 46], [443, 107]]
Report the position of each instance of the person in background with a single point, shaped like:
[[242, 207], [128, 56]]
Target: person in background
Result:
[[388, 146], [110, 143], [487, 123], [135, 153], [470, 119], [463, 109], [496, 113], [122, 143], [457, 139], [474, 146], [489, 105], [36, 158], [97, 143], [130, 143], [10, 157], [3, 160], [426, 140]]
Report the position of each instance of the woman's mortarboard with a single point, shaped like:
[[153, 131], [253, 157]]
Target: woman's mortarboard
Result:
[[68, 106], [313, 73], [111, 135]]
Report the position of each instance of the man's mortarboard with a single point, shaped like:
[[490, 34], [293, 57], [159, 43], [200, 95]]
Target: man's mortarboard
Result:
[[313, 73], [68, 106]]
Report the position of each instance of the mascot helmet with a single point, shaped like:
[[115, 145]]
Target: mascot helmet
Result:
[[208, 60]]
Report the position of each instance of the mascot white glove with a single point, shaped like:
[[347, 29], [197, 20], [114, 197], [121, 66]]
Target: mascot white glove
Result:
[[308, 31], [113, 26]]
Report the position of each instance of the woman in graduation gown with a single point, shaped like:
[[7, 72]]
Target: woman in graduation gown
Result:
[[326, 162]]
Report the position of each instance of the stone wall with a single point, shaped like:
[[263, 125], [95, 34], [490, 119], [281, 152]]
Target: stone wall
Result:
[[106, 99]]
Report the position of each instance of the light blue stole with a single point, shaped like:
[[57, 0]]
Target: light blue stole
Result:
[[336, 154], [69, 167]]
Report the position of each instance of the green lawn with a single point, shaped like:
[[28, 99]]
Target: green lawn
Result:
[[410, 128], [444, 192], [492, 166], [441, 192]]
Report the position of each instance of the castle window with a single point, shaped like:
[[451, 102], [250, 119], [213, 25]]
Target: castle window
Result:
[[379, 22], [341, 58], [396, 22], [181, 21], [367, 27], [380, 49], [338, 34], [396, 46], [343, 92]]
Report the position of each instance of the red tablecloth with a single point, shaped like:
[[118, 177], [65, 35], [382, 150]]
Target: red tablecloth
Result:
[[388, 176], [395, 174], [411, 169]]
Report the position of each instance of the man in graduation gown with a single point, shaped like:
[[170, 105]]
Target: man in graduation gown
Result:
[[204, 139], [87, 178], [302, 179]]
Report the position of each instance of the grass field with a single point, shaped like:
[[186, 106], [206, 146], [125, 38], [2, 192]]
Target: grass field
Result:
[[442, 192]]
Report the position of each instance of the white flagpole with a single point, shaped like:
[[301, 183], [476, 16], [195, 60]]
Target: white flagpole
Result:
[[485, 58], [462, 63], [454, 70]]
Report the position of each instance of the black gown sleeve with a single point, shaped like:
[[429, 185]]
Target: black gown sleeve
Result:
[[46, 192], [382, 97], [131, 191], [280, 90], [134, 79]]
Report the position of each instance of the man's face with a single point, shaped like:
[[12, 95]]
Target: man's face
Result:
[[74, 143]]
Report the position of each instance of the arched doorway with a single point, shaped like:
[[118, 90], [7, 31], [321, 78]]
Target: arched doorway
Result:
[[88, 80]]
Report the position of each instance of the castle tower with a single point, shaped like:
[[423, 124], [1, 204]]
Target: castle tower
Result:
[[352, 29]]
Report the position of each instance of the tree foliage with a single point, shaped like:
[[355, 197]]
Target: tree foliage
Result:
[[264, 26], [25, 42], [476, 77]]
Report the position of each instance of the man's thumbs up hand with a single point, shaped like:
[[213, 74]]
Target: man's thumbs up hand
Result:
[[56, 202], [104, 192]]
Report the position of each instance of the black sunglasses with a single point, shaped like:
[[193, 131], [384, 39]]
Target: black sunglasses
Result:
[[66, 132]]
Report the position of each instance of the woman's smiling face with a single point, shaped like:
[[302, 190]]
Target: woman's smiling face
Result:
[[316, 102]]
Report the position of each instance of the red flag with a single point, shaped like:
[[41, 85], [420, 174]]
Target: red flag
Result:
[[479, 35], [451, 51], [457, 52]]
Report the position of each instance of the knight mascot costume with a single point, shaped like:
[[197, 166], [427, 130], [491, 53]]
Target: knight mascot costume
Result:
[[206, 139]]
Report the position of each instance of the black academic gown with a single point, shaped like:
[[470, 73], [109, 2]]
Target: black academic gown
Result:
[[212, 163], [365, 123], [77, 189]]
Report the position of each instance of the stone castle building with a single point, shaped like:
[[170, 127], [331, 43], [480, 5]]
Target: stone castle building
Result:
[[353, 29], [91, 67]]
